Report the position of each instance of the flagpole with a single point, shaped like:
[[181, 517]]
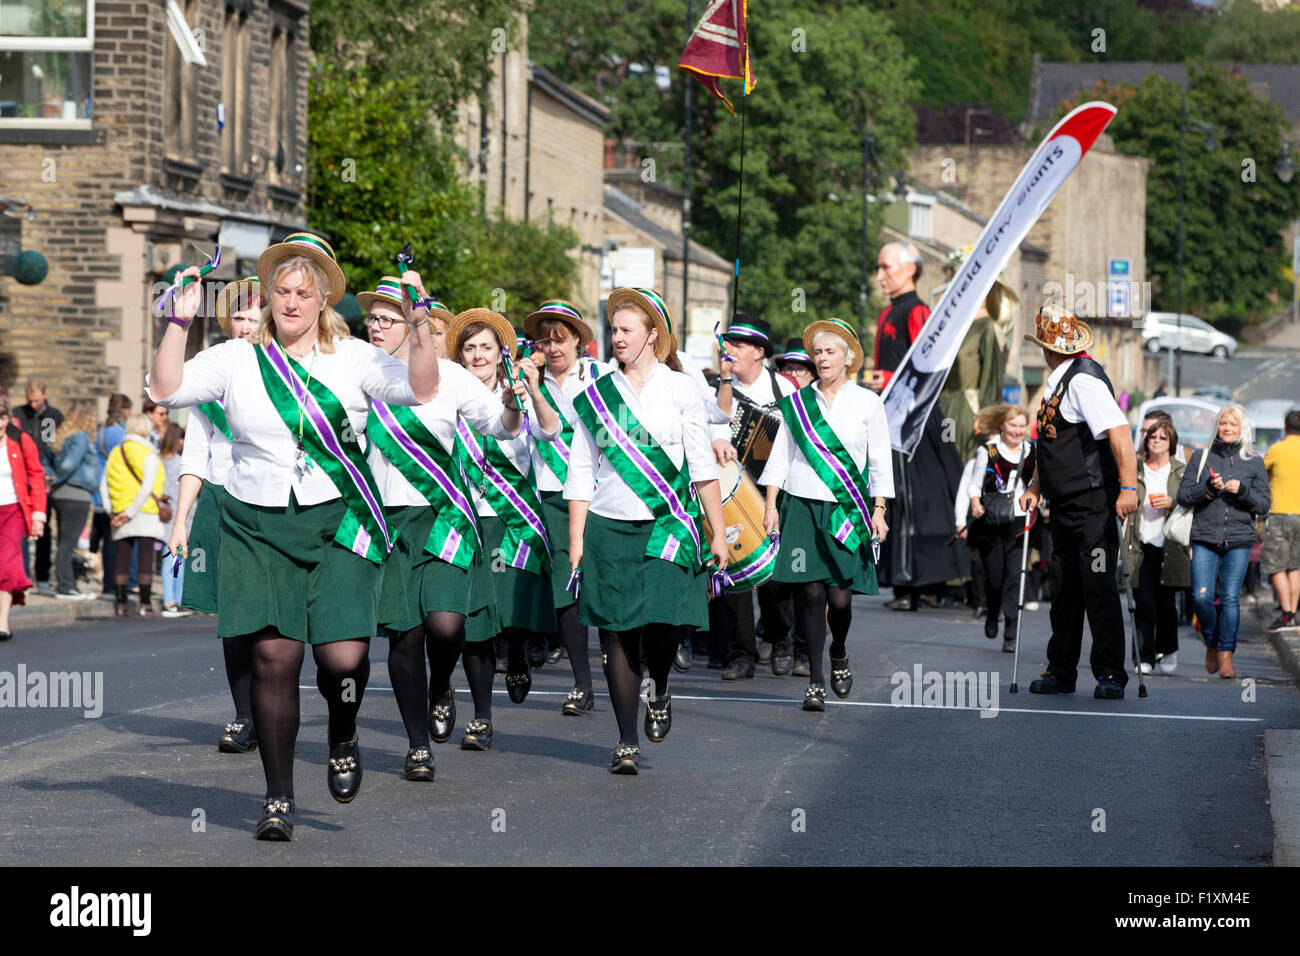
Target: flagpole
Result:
[[740, 198], [686, 186]]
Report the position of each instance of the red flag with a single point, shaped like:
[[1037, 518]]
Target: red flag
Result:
[[720, 47]]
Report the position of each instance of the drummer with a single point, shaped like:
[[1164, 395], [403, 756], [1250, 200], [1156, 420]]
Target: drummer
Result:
[[561, 336], [515, 538], [748, 342], [833, 459], [437, 585]]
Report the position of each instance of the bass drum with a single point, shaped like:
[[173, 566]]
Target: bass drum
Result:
[[753, 552]]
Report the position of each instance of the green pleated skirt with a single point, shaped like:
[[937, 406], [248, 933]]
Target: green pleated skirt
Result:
[[415, 582], [523, 599], [809, 553], [201, 567], [280, 568], [622, 589], [556, 512]]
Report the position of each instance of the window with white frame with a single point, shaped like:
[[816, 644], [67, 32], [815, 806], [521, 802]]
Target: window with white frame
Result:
[[45, 62]]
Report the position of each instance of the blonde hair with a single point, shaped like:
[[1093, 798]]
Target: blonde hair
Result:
[[138, 423], [80, 418], [1237, 411], [330, 326], [990, 421], [820, 334]]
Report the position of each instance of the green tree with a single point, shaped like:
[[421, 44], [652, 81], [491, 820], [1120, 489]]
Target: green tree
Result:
[[1248, 33]]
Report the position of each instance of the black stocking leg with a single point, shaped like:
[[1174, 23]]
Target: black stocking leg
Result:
[[238, 652], [444, 639], [480, 669], [839, 616], [660, 643], [406, 674], [516, 638], [342, 670], [623, 674], [277, 662], [574, 636], [810, 611]]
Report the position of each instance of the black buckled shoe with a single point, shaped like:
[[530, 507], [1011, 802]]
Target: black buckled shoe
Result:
[[814, 698], [1008, 645], [658, 718], [579, 702], [742, 668], [782, 659], [764, 652], [625, 759], [277, 819], [519, 683], [1049, 684], [344, 771], [239, 737], [418, 764], [478, 735], [442, 717], [556, 654], [841, 677], [905, 603], [1108, 689], [802, 668], [682, 659]]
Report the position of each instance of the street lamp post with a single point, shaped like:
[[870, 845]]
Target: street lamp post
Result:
[[868, 150], [1183, 124]]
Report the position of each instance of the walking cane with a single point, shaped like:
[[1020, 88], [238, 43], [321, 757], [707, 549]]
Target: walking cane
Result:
[[1020, 609], [1132, 612]]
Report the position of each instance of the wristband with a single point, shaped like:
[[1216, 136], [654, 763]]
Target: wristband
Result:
[[724, 381], [1127, 488], [183, 323]]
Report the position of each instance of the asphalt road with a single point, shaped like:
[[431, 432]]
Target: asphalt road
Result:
[[745, 777], [1252, 374]]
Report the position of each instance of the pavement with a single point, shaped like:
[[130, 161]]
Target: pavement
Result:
[[1201, 772]]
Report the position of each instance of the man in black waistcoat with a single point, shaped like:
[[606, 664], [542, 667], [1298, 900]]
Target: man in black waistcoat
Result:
[[1087, 470]]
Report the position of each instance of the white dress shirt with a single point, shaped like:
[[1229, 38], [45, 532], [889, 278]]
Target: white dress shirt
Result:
[[759, 392], [1151, 522], [712, 413], [974, 483], [961, 507], [265, 449], [564, 393], [670, 410], [460, 395], [858, 419], [1087, 399], [208, 453], [517, 450], [8, 491]]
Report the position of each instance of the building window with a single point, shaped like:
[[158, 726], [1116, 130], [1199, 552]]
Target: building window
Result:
[[182, 93], [284, 163], [234, 93], [45, 62]]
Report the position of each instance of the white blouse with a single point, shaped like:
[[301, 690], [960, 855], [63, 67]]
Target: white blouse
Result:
[[670, 409], [265, 449], [208, 453], [974, 484], [858, 419], [8, 491], [564, 393], [516, 449], [460, 394]]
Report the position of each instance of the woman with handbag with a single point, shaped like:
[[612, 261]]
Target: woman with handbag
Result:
[[22, 511], [1226, 485], [997, 521], [132, 489], [1156, 562], [76, 479]]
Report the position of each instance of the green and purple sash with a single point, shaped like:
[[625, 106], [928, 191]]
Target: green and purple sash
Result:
[[851, 519], [647, 470], [556, 453], [216, 413], [416, 452], [512, 496], [363, 530]]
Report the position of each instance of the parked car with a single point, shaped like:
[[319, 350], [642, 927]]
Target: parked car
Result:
[[1268, 415], [1193, 417], [1213, 393], [1161, 330]]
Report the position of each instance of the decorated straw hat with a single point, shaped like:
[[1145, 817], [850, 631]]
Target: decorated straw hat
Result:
[[389, 289], [751, 329], [232, 296], [494, 320], [794, 352], [650, 303], [314, 248], [567, 313], [836, 327], [1059, 331]]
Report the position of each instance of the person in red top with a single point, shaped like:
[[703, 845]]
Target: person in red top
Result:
[[22, 511], [897, 269]]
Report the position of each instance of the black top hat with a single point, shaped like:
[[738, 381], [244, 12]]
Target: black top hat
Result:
[[794, 352], [751, 329]]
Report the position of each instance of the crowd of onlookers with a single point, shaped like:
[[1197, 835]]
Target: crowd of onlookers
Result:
[[76, 493]]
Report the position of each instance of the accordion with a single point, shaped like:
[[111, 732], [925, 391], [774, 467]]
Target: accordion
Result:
[[753, 429]]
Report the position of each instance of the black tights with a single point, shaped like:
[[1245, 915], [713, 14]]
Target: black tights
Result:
[[574, 636], [238, 652], [342, 670], [815, 606], [623, 670], [480, 667], [122, 567], [441, 636]]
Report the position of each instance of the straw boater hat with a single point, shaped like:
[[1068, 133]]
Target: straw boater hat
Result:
[[794, 352], [314, 248], [494, 320], [650, 303], [232, 296], [567, 313], [1059, 331], [836, 327], [389, 290], [750, 329]]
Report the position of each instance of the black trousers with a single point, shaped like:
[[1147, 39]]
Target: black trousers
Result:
[[1085, 537], [41, 572], [1157, 611], [999, 548], [72, 519]]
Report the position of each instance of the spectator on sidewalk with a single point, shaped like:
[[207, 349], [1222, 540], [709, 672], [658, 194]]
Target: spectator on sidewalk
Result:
[[159, 419], [40, 420], [1280, 557], [73, 484], [173, 584], [22, 512], [133, 487], [109, 436]]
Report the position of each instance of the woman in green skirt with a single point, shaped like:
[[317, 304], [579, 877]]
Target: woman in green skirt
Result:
[[205, 462], [515, 539], [634, 526], [303, 532], [832, 459], [437, 587]]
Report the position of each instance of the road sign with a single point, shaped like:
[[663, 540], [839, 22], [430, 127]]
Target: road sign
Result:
[[1119, 267], [1117, 300]]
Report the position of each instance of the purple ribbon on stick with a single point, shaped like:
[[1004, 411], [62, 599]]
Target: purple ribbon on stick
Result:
[[214, 262]]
